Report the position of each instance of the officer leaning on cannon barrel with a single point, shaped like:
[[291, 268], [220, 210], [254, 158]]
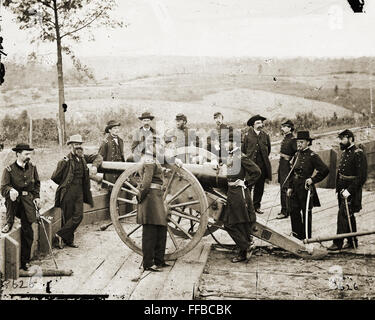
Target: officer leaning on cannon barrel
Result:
[[304, 163], [72, 177], [239, 213], [20, 186], [141, 136], [112, 148], [287, 150], [218, 136], [351, 176], [151, 212], [257, 146]]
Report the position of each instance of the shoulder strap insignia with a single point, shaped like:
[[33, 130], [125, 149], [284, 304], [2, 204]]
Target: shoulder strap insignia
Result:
[[9, 168], [66, 158], [358, 150]]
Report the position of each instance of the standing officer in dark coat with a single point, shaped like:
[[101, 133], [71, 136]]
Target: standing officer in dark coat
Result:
[[142, 136], [20, 186], [257, 146], [239, 213], [218, 137], [151, 212], [304, 163], [72, 176], [351, 176], [287, 150], [112, 148]]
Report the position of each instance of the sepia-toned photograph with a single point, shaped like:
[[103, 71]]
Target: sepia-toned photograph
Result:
[[200, 151]]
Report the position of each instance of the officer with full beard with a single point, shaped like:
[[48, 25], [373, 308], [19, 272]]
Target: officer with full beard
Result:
[[72, 176], [351, 176]]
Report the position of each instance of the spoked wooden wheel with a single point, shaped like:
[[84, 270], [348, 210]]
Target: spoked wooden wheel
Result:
[[186, 207]]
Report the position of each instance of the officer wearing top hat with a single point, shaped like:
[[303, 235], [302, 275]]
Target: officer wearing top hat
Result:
[[72, 177], [351, 176], [301, 180], [182, 135], [142, 137], [20, 186], [218, 137], [288, 148], [112, 148], [257, 146]]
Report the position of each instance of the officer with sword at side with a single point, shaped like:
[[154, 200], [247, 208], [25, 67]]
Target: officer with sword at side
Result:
[[20, 186], [351, 176], [301, 185]]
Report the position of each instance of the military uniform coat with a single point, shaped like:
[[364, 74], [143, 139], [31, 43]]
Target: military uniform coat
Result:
[[151, 205], [111, 150], [22, 179], [254, 144], [238, 208], [352, 163], [64, 175], [139, 144], [307, 162], [215, 138], [289, 148]]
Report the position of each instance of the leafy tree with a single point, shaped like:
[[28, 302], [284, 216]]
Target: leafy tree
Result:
[[60, 20]]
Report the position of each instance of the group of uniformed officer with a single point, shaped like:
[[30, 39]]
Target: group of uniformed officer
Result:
[[299, 170]]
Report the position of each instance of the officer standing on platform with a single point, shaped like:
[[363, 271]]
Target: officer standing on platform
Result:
[[351, 176], [257, 146], [72, 176], [304, 163], [287, 150], [218, 137], [112, 148], [20, 186], [239, 213]]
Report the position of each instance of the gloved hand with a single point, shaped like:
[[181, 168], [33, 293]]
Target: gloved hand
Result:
[[178, 162], [345, 193], [308, 183], [93, 170], [13, 194], [289, 192]]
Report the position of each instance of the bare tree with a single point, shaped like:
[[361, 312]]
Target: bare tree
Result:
[[57, 20]]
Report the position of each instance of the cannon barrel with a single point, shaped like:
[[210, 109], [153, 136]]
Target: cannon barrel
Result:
[[206, 173]]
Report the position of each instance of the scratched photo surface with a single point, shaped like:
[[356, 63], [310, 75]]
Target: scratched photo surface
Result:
[[205, 75]]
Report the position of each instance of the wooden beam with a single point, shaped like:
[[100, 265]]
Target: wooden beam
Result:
[[338, 236]]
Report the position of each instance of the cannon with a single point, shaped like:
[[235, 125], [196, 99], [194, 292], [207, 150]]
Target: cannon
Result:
[[194, 197]]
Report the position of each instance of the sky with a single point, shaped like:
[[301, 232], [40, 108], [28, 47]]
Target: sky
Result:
[[260, 28]]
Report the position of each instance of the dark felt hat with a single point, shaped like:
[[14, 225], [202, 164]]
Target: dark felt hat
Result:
[[181, 116], [288, 123], [257, 117], [346, 133], [111, 124], [21, 147], [146, 115], [304, 135]]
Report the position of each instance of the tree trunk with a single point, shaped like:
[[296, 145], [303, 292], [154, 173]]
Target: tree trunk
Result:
[[60, 80]]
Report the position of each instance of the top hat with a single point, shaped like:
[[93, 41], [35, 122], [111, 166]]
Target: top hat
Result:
[[288, 123], [77, 138], [346, 133], [21, 147], [181, 116], [304, 135], [111, 124], [251, 121], [146, 115]]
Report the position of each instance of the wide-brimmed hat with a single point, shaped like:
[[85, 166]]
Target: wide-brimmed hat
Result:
[[304, 135], [181, 116], [257, 117], [111, 124], [77, 138], [346, 133], [21, 147], [288, 123], [146, 115]]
